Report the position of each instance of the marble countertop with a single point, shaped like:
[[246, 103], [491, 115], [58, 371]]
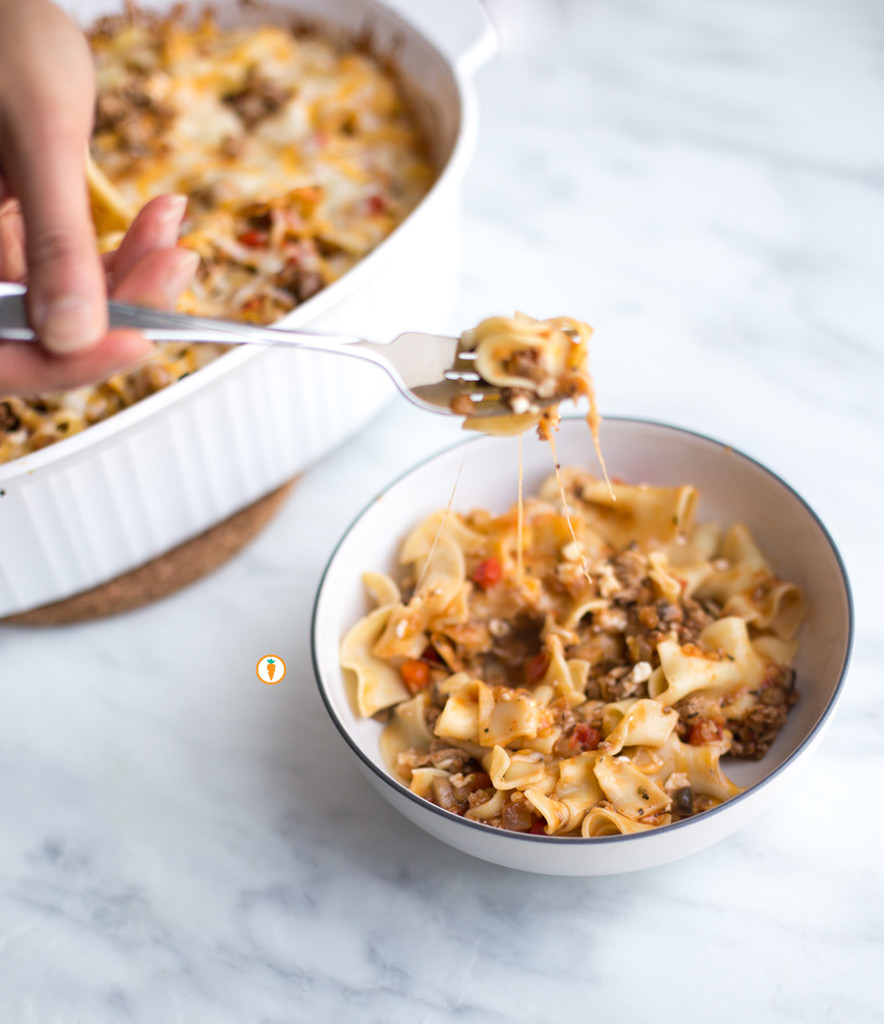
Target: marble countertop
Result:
[[180, 843]]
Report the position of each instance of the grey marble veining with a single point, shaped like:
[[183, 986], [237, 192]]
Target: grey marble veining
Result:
[[703, 183]]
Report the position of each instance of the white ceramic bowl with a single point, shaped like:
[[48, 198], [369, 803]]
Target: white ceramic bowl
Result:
[[733, 487], [130, 488]]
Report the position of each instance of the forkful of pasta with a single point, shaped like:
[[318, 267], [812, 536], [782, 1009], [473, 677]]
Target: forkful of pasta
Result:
[[502, 376]]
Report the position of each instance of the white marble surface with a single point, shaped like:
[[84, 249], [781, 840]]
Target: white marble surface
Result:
[[180, 843]]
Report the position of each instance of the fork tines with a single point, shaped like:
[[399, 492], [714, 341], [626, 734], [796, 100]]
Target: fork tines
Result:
[[463, 367]]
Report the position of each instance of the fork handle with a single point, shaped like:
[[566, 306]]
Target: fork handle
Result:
[[160, 325]]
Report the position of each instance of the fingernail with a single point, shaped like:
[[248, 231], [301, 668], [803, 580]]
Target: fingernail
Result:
[[68, 325], [145, 360], [175, 207], [180, 275], [168, 220]]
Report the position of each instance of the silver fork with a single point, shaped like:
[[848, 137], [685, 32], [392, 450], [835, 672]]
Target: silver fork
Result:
[[429, 369]]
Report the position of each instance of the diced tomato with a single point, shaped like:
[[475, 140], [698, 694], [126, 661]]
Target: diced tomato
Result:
[[415, 674], [377, 204], [254, 238], [586, 737], [704, 730], [538, 828], [487, 573], [536, 668]]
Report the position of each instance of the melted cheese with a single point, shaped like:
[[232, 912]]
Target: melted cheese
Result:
[[298, 156]]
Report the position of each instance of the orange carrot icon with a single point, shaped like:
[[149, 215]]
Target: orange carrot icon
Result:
[[271, 669]]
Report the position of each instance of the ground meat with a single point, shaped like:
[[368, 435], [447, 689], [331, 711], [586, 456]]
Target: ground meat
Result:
[[111, 110], [631, 570], [8, 420], [259, 98], [480, 796], [696, 619], [524, 363], [618, 684], [231, 146], [431, 714], [134, 115], [601, 650], [451, 759], [463, 786], [689, 709], [299, 282], [643, 646], [203, 197], [654, 620], [310, 283], [754, 734], [521, 644]]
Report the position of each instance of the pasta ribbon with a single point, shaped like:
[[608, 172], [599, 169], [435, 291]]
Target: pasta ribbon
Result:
[[378, 683], [725, 662], [623, 514], [515, 771], [533, 362], [629, 790], [605, 821], [489, 716], [646, 723]]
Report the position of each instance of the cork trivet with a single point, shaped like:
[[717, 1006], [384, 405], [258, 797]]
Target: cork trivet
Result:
[[162, 575]]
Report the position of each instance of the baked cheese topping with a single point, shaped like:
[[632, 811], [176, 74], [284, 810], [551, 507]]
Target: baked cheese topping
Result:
[[298, 155]]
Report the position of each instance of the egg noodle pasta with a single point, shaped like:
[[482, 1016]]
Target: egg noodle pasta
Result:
[[556, 702], [536, 364]]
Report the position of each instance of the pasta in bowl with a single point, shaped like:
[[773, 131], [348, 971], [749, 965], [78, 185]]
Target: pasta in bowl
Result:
[[606, 756]]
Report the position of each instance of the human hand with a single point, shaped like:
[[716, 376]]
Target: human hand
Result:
[[146, 270], [47, 99]]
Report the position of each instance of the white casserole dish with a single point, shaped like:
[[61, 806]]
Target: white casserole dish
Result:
[[130, 488]]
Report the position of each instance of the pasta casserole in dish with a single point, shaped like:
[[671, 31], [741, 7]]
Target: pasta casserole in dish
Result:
[[297, 152]]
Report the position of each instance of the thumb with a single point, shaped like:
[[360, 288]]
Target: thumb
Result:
[[66, 288], [45, 122]]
